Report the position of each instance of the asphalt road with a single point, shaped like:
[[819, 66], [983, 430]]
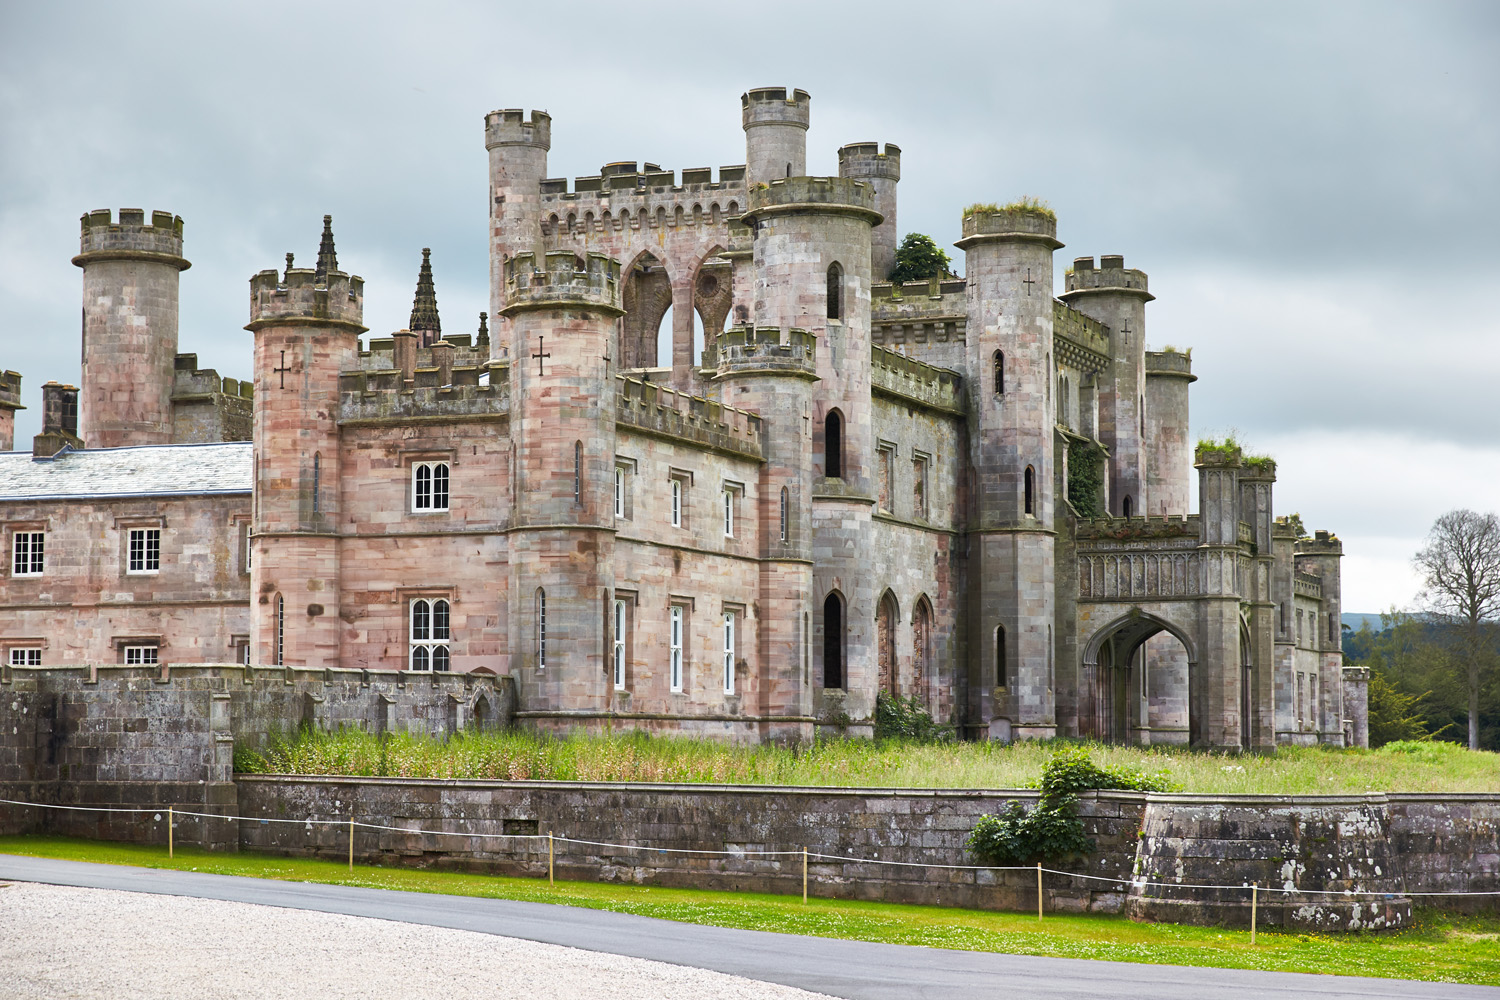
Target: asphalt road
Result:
[[853, 969]]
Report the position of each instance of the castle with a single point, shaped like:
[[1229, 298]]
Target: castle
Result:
[[965, 491]]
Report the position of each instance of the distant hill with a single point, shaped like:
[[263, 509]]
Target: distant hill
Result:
[[1357, 621]]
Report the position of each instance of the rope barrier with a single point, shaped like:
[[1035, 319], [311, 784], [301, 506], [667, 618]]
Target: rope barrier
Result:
[[552, 839]]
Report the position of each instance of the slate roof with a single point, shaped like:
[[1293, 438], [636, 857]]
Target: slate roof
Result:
[[157, 470]]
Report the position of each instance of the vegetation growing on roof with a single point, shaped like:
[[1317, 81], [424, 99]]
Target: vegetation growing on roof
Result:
[[919, 258], [1025, 203]]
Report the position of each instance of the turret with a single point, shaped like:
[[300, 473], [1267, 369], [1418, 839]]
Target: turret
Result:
[[1116, 296], [1169, 456], [775, 133], [864, 161], [10, 402], [1008, 264], [1320, 556], [562, 315], [517, 148], [306, 331], [130, 286]]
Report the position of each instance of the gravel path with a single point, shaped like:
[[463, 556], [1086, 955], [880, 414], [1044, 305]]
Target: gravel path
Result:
[[61, 942]]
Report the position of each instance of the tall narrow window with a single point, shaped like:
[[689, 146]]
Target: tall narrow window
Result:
[[1125, 506], [619, 646], [729, 513], [919, 487], [887, 461], [783, 513], [619, 492], [677, 503], [999, 372], [27, 553], [577, 471], [541, 629], [144, 550], [317, 482], [674, 667], [280, 630], [430, 635], [1000, 664], [806, 647], [835, 292], [1030, 490], [429, 486], [729, 652], [833, 641], [833, 446]]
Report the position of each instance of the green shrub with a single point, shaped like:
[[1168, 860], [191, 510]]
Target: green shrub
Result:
[[1086, 478], [919, 258], [1053, 829], [898, 718]]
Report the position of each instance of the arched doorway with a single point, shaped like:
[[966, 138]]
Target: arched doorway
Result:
[[921, 652], [1134, 686]]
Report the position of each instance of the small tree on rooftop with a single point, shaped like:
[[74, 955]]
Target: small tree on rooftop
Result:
[[918, 258]]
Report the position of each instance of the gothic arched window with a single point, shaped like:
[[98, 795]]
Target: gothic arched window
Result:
[[1030, 490], [999, 373], [833, 445], [835, 291]]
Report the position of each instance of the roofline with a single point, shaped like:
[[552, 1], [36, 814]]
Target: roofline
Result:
[[247, 491], [140, 447]]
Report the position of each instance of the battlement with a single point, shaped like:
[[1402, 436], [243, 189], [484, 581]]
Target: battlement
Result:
[[511, 127], [377, 396], [624, 179], [771, 106], [1323, 543], [817, 194], [190, 380], [919, 312], [915, 381], [565, 278], [1170, 364], [762, 349], [1013, 224], [1228, 455], [10, 391], [1111, 275], [662, 412], [1288, 527], [864, 159], [1137, 528], [1081, 341], [101, 238], [299, 298]]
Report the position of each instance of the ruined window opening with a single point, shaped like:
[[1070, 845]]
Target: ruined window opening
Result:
[[887, 472], [541, 629], [1000, 659], [429, 635], [833, 641], [835, 291], [429, 487], [919, 487], [1030, 490], [833, 446], [27, 555]]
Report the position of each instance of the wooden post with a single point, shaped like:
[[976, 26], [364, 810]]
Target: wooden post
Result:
[[351, 843], [804, 875], [1039, 890], [170, 850], [549, 859], [1254, 902]]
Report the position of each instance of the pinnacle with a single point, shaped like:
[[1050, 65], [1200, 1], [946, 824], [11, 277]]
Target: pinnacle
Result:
[[424, 310], [327, 259], [483, 338]]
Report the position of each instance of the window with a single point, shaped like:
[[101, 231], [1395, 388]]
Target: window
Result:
[[280, 630], [577, 471], [619, 646], [140, 656], [999, 373], [677, 503], [1062, 399], [1000, 664], [27, 551], [833, 446], [919, 487], [833, 641], [541, 629], [1125, 506], [429, 635], [27, 656], [619, 492], [783, 513], [1030, 491], [674, 668], [728, 513], [429, 486], [242, 653], [883, 496], [144, 550], [247, 547], [729, 652], [317, 481], [835, 292]]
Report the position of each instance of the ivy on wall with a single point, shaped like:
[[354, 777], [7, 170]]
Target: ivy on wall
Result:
[[1086, 478]]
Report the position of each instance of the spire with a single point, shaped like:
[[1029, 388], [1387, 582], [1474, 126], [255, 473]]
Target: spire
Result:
[[327, 259], [483, 340], [424, 310]]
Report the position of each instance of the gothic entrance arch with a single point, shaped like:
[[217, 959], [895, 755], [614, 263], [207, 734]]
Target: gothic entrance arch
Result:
[[1135, 683]]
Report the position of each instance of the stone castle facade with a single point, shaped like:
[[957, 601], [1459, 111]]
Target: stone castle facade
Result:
[[965, 491]]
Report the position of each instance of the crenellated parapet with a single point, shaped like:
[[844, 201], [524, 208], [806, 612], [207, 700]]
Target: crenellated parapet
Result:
[[919, 312], [1081, 341], [1170, 364], [750, 349], [131, 238], [772, 106], [299, 298], [822, 195], [382, 396], [511, 127], [865, 159], [662, 412], [1110, 276], [1011, 224], [564, 278], [913, 381], [10, 391], [1323, 543]]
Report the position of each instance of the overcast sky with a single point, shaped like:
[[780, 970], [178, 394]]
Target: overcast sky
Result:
[[1310, 186]]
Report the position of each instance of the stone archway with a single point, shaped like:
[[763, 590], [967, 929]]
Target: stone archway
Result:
[[646, 297], [1121, 699], [886, 616]]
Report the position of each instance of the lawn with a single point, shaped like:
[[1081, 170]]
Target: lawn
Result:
[[1440, 947], [517, 755]]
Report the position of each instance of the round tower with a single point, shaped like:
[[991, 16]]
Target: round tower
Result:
[[306, 331], [130, 284], [563, 319], [864, 161], [775, 375], [1116, 296], [1169, 453], [812, 236], [775, 133], [1008, 264], [518, 163]]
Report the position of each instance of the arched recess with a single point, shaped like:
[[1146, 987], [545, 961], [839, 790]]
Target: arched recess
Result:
[[833, 445], [713, 295], [921, 653], [887, 614], [646, 297], [1247, 688], [834, 643], [1117, 684]]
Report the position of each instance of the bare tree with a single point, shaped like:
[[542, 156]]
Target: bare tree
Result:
[[1460, 566]]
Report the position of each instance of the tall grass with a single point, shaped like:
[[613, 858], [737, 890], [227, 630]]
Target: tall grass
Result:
[[520, 755]]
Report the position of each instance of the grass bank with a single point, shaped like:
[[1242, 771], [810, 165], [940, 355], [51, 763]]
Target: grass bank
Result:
[[1440, 947], [514, 756]]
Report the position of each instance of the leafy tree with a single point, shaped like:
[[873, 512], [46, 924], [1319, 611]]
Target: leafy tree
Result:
[[918, 258], [1394, 715], [1460, 566]]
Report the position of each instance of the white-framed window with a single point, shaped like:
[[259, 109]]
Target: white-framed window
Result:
[[677, 503], [28, 553], [619, 491], [26, 656], [728, 513], [429, 487], [729, 652], [674, 667], [140, 656], [144, 551], [541, 629], [619, 646], [248, 548], [430, 634]]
